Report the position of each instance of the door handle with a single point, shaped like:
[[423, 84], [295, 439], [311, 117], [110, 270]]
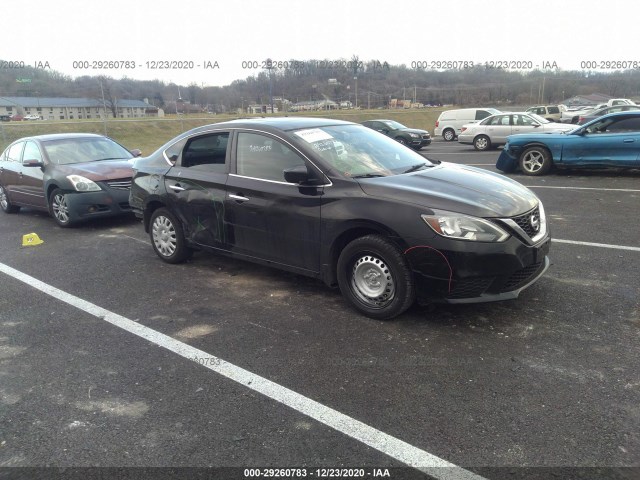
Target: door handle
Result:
[[628, 140], [238, 198], [176, 187]]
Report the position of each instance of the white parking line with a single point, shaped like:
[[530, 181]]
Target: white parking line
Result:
[[600, 245], [391, 446], [585, 188]]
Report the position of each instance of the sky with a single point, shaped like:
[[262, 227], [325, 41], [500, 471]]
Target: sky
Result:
[[212, 43]]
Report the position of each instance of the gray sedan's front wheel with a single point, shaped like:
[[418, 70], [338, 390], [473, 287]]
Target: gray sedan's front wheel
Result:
[[59, 208], [482, 143], [167, 237], [374, 277], [535, 161]]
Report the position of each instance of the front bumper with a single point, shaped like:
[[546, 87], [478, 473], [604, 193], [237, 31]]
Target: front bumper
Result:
[[105, 203], [469, 272]]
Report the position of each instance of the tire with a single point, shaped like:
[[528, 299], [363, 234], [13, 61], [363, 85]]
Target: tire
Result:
[[482, 143], [59, 208], [401, 140], [5, 203], [167, 237], [374, 278], [535, 161], [449, 135]]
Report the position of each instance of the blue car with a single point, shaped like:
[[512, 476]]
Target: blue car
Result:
[[609, 141]]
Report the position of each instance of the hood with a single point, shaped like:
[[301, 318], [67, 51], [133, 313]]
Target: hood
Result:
[[455, 188], [414, 130], [98, 171]]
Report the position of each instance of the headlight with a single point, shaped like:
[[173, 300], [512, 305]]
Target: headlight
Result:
[[414, 135], [82, 184], [464, 227]]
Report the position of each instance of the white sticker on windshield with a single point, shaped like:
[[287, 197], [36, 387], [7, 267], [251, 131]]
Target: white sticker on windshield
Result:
[[312, 135]]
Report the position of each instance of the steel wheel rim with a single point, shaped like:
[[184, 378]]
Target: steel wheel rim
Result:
[[60, 208], [372, 281], [533, 161], [4, 202], [164, 236], [481, 143]]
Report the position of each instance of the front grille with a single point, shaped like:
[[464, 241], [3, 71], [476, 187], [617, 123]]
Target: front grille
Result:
[[521, 277], [524, 222], [470, 288], [120, 184]]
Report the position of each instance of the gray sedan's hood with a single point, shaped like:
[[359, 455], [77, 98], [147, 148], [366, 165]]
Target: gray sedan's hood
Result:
[[455, 188]]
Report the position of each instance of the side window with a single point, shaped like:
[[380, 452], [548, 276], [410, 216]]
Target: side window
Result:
[[207, 153], [260, 156], [13, 155], [553, 110], [31, 152], [625, 125], [522, 120], [480, 114], [172, 153]]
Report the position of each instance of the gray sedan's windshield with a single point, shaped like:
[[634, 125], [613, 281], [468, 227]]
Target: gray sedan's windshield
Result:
[[356, 151], [79, 150]]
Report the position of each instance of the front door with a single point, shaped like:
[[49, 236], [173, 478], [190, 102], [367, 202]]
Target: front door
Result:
[[267, 217]]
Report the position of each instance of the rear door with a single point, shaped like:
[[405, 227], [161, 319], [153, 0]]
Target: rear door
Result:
[[523, 124], [10, 168], [499, 128], [267, 217], [196, 186]]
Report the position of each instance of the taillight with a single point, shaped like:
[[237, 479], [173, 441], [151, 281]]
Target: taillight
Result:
[[437, 123], [463, 129], [580, 119]]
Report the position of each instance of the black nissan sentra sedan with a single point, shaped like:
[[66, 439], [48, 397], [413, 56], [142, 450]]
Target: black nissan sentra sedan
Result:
[[340, 202]]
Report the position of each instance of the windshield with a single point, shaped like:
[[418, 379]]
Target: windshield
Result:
[[357, 152], [538, 118], [79, 150]]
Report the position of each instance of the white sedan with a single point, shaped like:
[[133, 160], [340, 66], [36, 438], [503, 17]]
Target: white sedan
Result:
[[494, 130]]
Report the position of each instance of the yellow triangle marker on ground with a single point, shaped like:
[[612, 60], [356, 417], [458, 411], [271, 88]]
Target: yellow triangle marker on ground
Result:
[[31, 239]]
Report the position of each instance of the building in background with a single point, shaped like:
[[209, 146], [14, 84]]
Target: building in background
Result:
[[58, 108]]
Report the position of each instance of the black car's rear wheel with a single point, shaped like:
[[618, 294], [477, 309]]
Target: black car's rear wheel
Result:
[[167, 237], [59, 208], [374, 277], [535, 161], [5, 203], [401, 140]]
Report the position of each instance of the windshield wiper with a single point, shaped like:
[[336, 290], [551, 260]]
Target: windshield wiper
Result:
[[417, 167], [368, 175]]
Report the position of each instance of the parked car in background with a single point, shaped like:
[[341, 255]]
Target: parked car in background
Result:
[[5, 118], [494, 130], [411, 137], [32, 117], [593, 114], [450, 122], [553, 113], [16, 118], [74, 176], [609, 141], [380, 221], [572, 114]]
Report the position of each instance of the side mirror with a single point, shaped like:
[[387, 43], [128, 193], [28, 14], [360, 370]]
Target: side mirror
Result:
[[298, 175], [32, 163], [535, 125], [136, 152]]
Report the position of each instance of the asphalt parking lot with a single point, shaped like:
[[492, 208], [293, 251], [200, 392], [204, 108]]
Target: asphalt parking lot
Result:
[[111, 358]]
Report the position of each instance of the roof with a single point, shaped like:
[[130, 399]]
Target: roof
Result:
[[284, 123], [61, 136], [50, 102]]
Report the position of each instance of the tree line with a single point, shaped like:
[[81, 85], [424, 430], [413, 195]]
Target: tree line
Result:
[[370, 84]]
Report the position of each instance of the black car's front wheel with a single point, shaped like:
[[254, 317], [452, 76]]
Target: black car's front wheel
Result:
[[167, 237], [401, 140], [59, 208], [5, 203], [535, 161], [374, 277]]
